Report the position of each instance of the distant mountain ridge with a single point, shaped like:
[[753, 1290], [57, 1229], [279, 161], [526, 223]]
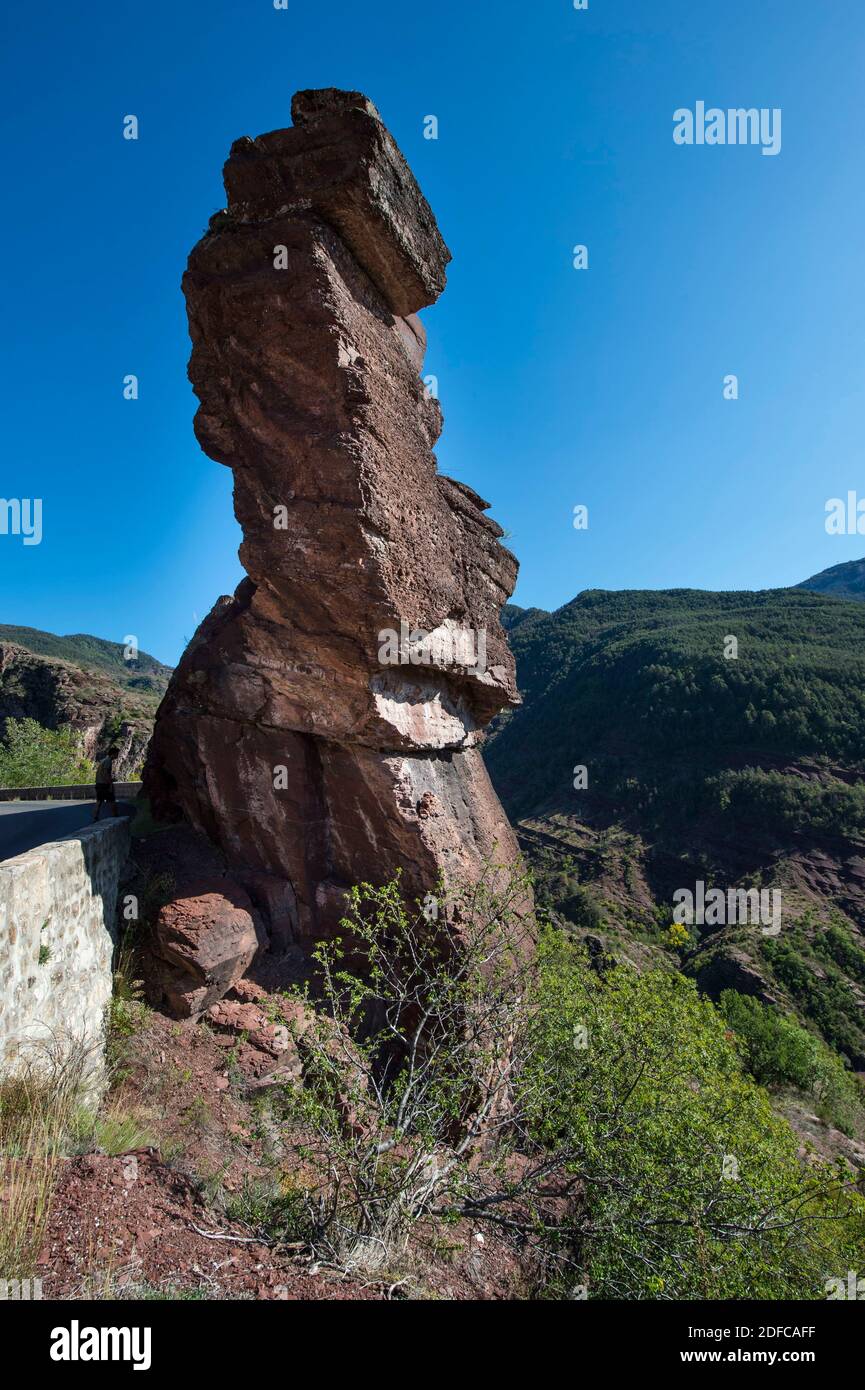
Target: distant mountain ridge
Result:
[[83, 682], [82, 649], [839, 581]]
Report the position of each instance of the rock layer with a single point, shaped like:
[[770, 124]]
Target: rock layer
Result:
[[323, 725]]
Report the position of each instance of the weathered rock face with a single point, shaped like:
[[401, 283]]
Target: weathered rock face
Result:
[[323, 726], [57, 693]]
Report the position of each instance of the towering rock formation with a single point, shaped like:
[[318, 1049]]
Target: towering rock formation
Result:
[[323, 726]]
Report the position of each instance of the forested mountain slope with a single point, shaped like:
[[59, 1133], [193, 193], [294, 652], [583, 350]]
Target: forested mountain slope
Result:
[[723, 741]]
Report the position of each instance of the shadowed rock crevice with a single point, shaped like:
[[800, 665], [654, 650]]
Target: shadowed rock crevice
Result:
[[308, 745]]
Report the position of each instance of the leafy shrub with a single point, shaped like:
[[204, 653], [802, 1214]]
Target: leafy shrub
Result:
[[837, 944], [779, 1052], [582, 908], [37, 757], [692, 1185], [821, 992], [409, 1066], [273, 1211], [465, 1083]]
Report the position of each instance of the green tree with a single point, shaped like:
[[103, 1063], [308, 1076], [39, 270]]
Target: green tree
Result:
[[455, 1076], [35, 757], [692, 1186], [779, 1052]]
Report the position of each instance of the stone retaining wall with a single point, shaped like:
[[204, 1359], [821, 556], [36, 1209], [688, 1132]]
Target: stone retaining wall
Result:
[[58, 909]]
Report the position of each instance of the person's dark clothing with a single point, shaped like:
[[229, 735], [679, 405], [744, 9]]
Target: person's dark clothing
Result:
[[104, 781]]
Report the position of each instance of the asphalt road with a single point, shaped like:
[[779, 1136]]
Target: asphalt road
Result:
[[26, 824]]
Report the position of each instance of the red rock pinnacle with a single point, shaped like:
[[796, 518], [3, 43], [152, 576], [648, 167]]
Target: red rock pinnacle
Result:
[[322, 727]]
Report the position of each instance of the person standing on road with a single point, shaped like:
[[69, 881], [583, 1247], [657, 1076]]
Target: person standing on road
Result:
[[105, 783]]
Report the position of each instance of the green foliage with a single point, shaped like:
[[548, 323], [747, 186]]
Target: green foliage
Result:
[[557, 887], [33, 757], [275, 1212], [113, 1131], [652, 1114], [128, 1010], [641, 678], [580, 907], [677, 936], [836, 944], [820, 990], [112, 730], [726, 764], [408, 1066], [778, 1052], [792, 803], [626, 1090]]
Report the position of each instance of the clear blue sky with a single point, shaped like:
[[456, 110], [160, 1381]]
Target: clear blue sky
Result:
[[559, 387]]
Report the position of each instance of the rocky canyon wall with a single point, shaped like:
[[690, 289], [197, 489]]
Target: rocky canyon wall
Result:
[[323, 726]]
